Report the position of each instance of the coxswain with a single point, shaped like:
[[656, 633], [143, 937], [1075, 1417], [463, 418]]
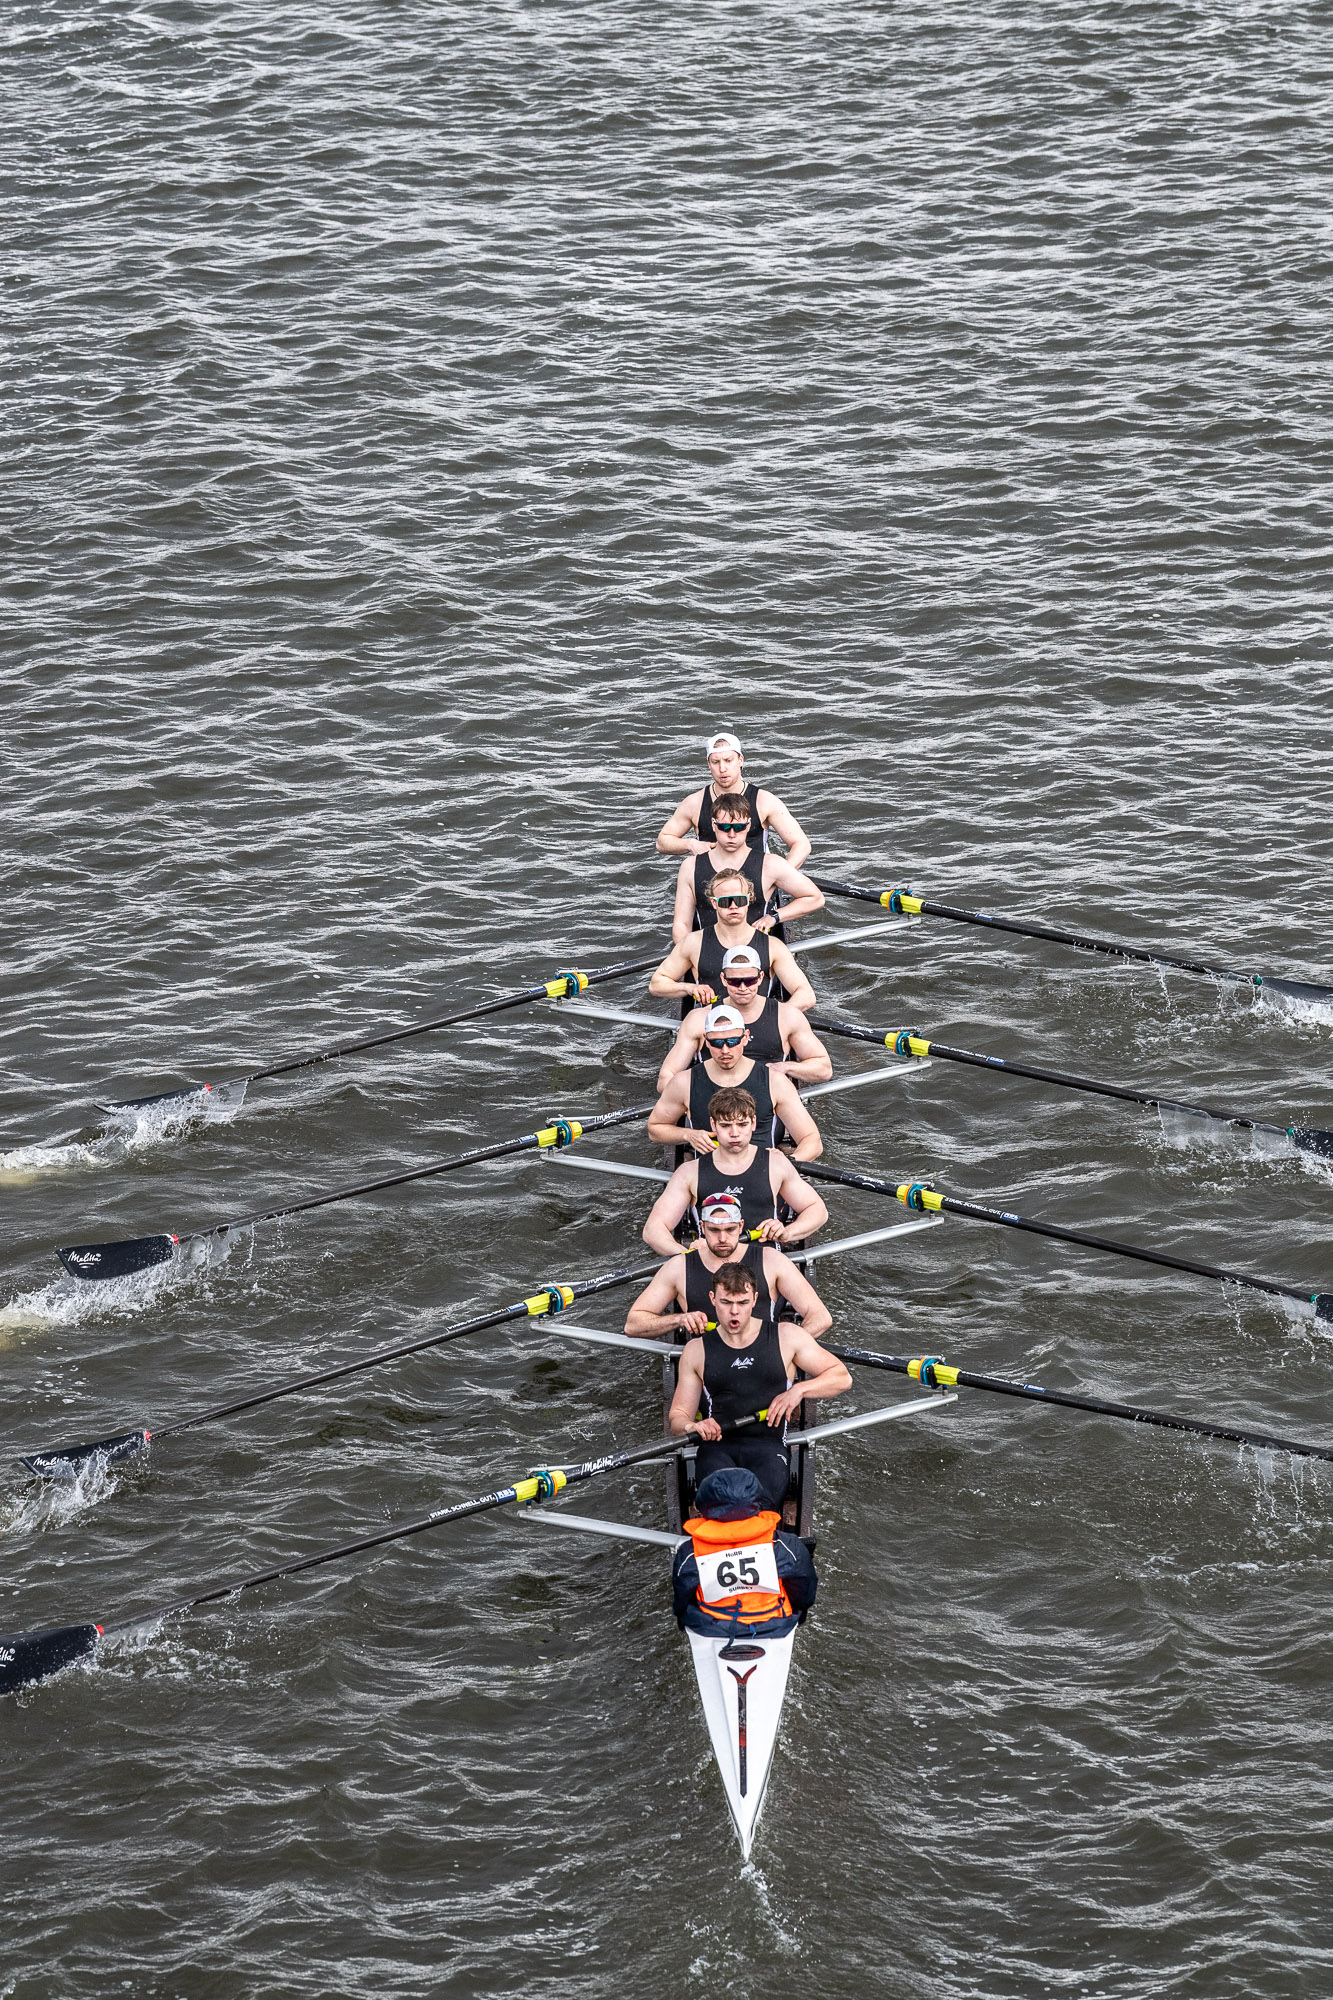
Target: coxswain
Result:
[[745, 1368], [762, 1179], [741, 1573], [677, 1298], [680, 1116], [690, 827], [767, 873], [692, 969], [780, 1034]]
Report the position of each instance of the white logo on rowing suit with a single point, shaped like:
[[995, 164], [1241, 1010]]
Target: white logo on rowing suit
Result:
[[737, 1191], [743, 1361]]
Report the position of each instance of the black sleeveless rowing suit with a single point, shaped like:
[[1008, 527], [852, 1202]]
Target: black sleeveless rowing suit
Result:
[[712, 951], [708, 805], [699, 1280], [765, 1043], [703, 1090], [753, 1189], [738, 1382], [705, 868]]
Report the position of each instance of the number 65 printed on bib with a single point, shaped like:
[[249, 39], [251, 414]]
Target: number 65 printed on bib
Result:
[[733, 1571]]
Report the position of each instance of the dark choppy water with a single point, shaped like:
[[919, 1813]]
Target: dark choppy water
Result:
[[425, 422]]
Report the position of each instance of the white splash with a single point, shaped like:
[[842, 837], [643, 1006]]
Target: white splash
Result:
[[129, 1129], [1183, 1129], [50, 1503], [1308, 1013], [70, 1301]]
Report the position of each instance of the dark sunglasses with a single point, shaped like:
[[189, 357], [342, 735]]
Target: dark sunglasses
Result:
[[731, 902], [731, 826], [741, 979], [724, 1041]]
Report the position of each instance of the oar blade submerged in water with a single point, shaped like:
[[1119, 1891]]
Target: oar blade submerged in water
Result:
[[113, 1104], [1309, 1139], [67, 1461], [1294, 989], [117, 1260], [27, 1657]]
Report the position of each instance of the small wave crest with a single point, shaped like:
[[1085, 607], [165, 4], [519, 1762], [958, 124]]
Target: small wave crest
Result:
[[130, 1129], [70, 1301]]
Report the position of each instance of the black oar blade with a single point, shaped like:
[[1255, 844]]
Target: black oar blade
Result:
[[67, 1461], [26, 1657], [1323, 1305], [95, 1261], [1295, 989], [1309, 1139]]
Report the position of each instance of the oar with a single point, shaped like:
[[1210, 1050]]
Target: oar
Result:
[[26, 1657], [907, 1042], [935, 1374], [562, 987], [68, 1461], [916, 1195], [903, 903], [96, 1261]]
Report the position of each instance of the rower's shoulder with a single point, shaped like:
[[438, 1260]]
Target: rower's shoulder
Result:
[[692, 803]]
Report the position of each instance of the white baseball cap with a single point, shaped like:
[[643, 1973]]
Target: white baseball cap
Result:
[[723, 1017], [741, 954], [721, 1207], [722, 739]]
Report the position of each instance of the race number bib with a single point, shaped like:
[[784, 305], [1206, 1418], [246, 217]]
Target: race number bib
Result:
[[734, 1570]]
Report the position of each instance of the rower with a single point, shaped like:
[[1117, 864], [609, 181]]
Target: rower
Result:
[[692, 969], [677, 1299], [761, 1178], [780, 1034], [768, 873], [690, 827], [680, 1116], [741, 1574], [744, 1368]]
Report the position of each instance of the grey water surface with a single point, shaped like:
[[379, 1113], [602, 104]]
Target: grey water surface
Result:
[[424, 424]]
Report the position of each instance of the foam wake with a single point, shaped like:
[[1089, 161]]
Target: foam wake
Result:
[[131, 1129]]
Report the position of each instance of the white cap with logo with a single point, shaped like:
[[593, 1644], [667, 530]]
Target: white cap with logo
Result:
[[721, 1208]]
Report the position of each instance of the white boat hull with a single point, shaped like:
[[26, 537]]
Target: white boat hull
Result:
[[742, 1701]]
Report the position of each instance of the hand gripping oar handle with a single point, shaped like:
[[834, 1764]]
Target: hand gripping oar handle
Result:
[[66, 1461], [28, 1657], [917, 1195], [94, 1262], [933, 1373], [908, 1042], [903, 903], [561, 987]]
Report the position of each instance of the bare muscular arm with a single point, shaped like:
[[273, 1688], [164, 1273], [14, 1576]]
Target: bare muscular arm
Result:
[[808, 1061], [680, 835], [773, 813], [793, 1286], [676, 978], [670, 1208]]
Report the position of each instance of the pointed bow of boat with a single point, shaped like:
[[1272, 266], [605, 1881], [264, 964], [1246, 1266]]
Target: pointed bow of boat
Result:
[[742, 1687]]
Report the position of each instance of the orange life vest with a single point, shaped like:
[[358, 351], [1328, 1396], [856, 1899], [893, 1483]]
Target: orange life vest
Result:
[[713, 1538]]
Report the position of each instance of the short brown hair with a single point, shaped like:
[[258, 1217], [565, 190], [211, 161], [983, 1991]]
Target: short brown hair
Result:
[[732, 1103], [729, 875], [734, 1279], [732, 805]]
